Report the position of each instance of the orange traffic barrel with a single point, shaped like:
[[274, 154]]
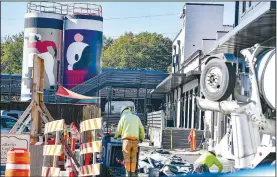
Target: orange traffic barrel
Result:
[[18, 162]]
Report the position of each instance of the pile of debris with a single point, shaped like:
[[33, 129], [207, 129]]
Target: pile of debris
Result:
[[168, 164]]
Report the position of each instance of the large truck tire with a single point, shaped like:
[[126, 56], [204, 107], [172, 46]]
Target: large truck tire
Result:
[[218, 80]]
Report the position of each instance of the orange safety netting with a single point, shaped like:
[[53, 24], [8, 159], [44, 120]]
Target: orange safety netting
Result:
[[63, 92]]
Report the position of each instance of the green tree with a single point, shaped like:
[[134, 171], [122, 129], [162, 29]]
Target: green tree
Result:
[[146, 50], [12, 54], [107, 41]]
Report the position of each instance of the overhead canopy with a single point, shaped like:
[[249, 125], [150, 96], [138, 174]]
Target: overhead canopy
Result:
[[63, 92], [175, 80], [259, 27]]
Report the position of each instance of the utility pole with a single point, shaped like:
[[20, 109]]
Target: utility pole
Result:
[[37, 97]]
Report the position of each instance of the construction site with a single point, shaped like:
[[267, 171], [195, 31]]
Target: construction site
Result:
[[62, 114]]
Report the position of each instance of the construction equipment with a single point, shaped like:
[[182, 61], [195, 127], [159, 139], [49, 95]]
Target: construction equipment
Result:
[[112, 156], [245, 91]]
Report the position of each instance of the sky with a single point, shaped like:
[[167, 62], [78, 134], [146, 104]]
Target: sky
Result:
[[165, 17]]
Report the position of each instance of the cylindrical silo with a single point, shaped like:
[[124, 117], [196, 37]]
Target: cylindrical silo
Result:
[[82, 48], [43, 35]]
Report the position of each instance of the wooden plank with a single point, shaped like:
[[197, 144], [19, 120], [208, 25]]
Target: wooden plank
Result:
[[24, 125], [69, 152], [22, 118], [44, 108], [44, 118]]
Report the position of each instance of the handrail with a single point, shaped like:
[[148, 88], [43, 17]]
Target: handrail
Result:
[[65, 9]]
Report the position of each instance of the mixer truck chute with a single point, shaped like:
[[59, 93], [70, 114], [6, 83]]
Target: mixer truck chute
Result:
[[244, 90]]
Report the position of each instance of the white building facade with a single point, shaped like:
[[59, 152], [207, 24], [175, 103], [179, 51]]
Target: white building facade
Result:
[[203, 34], [201, 25]]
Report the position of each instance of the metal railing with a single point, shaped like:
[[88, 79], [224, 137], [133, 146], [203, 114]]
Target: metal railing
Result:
[[84, 9], [65, 9]]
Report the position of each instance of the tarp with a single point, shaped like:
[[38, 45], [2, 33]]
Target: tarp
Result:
[[63, 92]]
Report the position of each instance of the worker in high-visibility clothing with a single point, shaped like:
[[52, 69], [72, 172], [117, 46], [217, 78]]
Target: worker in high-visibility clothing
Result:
[[206, 161], [131, 130]]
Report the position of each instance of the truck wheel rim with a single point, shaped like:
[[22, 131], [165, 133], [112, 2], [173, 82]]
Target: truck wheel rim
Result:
[[213, 79]]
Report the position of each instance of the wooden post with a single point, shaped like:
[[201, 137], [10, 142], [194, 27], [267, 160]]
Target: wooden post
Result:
[[22, 118], [38, 85]]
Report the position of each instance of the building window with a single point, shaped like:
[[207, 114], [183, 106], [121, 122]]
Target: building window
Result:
[[243, 6], [249, 4]]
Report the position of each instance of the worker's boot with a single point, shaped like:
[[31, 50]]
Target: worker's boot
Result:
[[128, 174], [134, 174]]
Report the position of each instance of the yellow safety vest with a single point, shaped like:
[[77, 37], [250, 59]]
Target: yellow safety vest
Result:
[[130, 127]]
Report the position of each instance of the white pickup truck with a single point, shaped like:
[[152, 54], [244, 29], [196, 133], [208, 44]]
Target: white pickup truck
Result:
[[115, 106]]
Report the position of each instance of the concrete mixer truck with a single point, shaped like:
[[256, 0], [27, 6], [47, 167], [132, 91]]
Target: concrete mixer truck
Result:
[[244, 90]]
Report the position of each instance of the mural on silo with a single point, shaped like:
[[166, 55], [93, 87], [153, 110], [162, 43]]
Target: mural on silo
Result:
[[43, 37], [34, 42], [82, 50]]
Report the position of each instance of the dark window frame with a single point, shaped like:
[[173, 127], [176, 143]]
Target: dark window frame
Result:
[[243, 6]]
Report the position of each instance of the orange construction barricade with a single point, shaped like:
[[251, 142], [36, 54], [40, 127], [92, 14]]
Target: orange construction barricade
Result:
[[18, 163], [192, 140]]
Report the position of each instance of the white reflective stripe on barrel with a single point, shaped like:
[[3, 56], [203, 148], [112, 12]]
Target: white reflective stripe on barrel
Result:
[[19, 151], [17, 166]]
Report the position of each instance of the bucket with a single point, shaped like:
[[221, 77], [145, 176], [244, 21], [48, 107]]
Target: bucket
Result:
[[154, 172]]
